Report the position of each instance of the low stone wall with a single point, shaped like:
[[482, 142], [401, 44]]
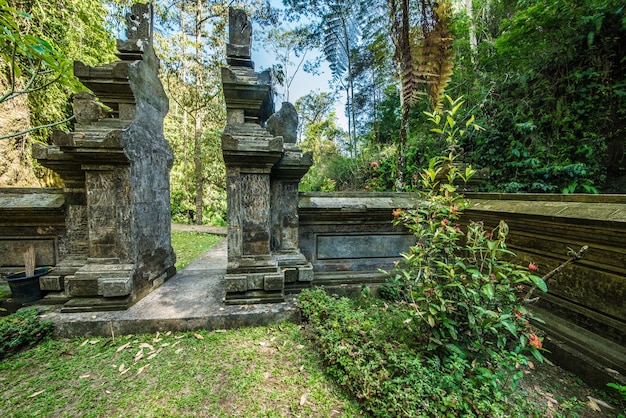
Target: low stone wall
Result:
[[31, 217], [348, 237], [585, 307]]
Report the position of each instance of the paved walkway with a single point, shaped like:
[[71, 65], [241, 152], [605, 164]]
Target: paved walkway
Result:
[[191, 300]]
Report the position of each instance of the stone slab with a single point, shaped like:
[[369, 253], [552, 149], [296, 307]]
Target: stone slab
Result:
[[362, 246]]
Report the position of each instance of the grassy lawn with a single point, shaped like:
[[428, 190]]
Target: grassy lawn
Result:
[[190, 245], [268, 372]]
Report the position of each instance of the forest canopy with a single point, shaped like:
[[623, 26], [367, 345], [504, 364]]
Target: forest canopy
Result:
[[544, 81]]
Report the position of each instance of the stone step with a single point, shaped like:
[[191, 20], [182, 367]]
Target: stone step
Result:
[[97, 271]]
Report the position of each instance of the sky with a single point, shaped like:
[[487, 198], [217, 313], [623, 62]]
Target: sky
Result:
[[303, 82]]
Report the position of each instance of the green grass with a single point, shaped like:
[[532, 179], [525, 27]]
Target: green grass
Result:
[[190, 245], [270, 372]]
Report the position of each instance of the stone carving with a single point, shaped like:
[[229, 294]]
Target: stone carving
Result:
[[139, 22], [284, 123]]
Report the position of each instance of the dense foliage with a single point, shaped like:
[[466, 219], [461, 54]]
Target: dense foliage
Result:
[[450, 339], [545, 80], [22, 329]]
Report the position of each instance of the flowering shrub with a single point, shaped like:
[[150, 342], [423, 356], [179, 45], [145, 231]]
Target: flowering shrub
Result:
[[464, 294]]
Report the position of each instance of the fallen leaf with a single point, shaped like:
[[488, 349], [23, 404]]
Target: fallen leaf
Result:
[[153, 355], [593, 405], [125, 371], [303, 398], [108, 391], [178, 337], [299, 347], [121, 367], [220, 330], [157, 334], [178, 351], [611, 370], [84, 343], [552, 400], [156, 340], [129, 336], [146, 345], [122, 347], [140, 370], [198, 336], [164, 345], [37, 393], [262, 343], [168, 333], [138, 356], [600, 402], [531, 365], [175, 344], [84, 376]]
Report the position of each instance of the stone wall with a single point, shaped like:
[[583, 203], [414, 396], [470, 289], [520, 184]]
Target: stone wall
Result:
[[348, 237]]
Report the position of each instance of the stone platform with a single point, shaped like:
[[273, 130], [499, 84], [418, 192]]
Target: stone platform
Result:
[[193, 299]]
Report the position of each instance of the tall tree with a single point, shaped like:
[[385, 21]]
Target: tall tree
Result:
[[423, 55], [38, 42]]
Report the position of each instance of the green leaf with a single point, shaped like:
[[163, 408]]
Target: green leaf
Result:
[[538, 281], [488, 291]]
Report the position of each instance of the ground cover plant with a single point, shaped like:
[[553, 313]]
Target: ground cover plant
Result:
[[269, 371], [189, 245]]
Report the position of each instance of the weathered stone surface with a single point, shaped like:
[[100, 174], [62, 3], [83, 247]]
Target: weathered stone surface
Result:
[[273, 282], [239, 28], [114, 286], [284, 123], [50, 282]]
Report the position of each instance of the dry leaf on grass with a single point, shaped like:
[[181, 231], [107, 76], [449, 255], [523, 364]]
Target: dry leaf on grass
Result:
[[593, 405], [600, 402], [178, 351], [84, 376], [303, 398], [122, 347], [198, 336], [94, 342], [37, 393], [84, 343], [140, 370], [121, 367], [146, 345], [138, 356]]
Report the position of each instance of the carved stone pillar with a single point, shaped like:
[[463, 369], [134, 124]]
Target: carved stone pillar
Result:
[[250, 152]]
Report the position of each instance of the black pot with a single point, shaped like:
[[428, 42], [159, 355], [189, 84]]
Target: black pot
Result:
[[26, 289]]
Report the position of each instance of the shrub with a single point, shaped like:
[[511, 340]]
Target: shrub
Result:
[[21, 330], [369, 349]]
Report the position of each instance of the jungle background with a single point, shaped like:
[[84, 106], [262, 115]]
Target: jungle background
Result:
[[536, 90]]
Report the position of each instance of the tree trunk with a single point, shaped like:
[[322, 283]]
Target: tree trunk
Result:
[[197, 157]]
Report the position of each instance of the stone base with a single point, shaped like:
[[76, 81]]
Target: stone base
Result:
[[96, 304], [257, 287]]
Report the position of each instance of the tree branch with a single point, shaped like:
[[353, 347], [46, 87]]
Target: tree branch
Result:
[[37, 128]]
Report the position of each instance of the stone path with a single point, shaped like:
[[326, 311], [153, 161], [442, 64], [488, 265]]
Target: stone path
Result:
[[191, 300]]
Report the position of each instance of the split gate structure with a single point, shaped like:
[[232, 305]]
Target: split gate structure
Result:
[[107, 231]]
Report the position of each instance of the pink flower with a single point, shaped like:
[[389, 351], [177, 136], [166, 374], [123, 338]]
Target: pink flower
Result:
[[374, 164], [533, 267], [397, 213]]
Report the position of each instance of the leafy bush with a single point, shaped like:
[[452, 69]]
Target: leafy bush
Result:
[[22, 329], [463, 293], [370, 350]]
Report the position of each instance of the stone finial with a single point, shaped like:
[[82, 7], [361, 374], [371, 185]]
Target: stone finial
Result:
[[284, 123], [139, 22], [239, 28]]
